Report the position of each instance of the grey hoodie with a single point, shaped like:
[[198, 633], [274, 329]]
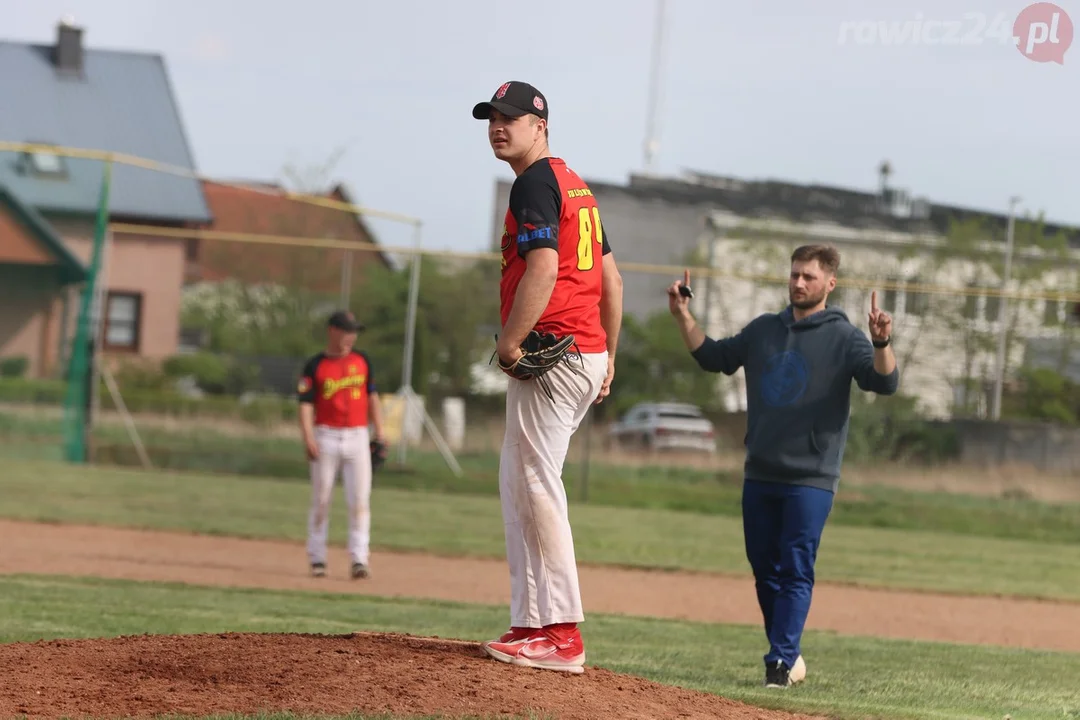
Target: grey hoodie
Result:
[[798, 391]]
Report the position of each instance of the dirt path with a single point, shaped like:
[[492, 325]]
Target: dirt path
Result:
[[145, 555]]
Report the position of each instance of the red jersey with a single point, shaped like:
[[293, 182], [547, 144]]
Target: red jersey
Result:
[[338, 387], [550, 206]]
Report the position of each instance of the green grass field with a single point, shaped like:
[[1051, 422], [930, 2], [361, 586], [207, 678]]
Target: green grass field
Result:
[[877, 537], [649, 487], [852, 677], [275, 508]]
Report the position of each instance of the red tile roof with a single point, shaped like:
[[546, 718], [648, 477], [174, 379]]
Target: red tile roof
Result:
[[265, 209]]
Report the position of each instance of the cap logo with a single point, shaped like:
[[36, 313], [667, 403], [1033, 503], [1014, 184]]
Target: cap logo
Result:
[[501, 92], [538, 102]]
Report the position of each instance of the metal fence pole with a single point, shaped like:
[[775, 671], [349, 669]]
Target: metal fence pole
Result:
[[585, 455], [410, 344], [346, 279], [1003, 305]]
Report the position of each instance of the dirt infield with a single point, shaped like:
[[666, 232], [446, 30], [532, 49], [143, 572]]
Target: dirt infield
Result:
[[207, 560], [409, 676], [147, 676]]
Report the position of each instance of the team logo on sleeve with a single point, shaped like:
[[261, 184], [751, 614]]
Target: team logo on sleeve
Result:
[[304, 386]]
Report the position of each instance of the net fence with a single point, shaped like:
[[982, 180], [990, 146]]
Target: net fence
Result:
[[208, 381], [222, 395]]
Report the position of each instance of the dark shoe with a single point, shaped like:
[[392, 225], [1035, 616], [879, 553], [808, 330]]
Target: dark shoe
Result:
[[360, 570], [777, 675], [318, 569]]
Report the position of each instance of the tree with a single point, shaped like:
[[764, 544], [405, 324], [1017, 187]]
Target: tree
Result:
[[654, 366], [971, 253], [455, 308], [253, 319]]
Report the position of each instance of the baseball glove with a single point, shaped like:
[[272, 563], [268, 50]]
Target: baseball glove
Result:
[[540, 353], [378, 454]]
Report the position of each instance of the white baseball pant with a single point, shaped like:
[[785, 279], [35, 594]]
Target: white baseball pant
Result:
[[347, 450], [539, 543]]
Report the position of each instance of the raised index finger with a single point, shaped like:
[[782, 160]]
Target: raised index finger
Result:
[[686, 277], [873, 301]]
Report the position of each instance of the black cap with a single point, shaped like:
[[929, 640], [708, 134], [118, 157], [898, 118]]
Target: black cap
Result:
[[345, 320], [515, 99]]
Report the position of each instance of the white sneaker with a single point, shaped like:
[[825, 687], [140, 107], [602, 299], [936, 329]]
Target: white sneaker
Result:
[[798, 673]]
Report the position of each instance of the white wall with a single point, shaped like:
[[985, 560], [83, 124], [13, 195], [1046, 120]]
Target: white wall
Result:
[[937, 346]]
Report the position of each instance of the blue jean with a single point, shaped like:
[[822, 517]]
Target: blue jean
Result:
[[782, 526]]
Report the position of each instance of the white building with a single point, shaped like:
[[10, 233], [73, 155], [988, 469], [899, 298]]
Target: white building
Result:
[[946, 332], [946, 328]]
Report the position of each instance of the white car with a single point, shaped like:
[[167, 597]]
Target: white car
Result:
[[664, 426]]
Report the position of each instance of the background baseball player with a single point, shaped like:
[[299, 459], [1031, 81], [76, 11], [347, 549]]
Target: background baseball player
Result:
[[338, 404], [559, 278]]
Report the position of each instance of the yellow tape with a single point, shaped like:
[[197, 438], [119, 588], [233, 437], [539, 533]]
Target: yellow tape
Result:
[[135, 161], [671, 270], [674, 271]]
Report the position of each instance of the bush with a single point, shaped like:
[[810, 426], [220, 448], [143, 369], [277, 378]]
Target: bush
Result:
[[214, 374], [38, 392], [14, 367], [889, 428], [208, 370], [260, 411], [140, 376], [1046, 395]]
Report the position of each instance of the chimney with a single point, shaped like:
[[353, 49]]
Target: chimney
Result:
[[68, 54]]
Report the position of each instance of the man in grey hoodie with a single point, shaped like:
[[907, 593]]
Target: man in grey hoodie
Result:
[[799, 365]]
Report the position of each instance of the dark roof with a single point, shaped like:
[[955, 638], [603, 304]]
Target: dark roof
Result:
[[120, 102], [70, 267], [892, 210]]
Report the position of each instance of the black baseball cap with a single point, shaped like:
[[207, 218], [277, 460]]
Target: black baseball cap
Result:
[[515, 99], [345, 320]]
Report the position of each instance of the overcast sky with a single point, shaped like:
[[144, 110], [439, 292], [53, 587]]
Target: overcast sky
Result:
[[754, 90]]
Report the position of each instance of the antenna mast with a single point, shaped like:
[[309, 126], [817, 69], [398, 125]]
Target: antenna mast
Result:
[[652, 132]]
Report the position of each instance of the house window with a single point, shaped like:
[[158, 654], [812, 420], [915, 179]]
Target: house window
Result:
[[889, 299], [916, 302], [191, 249], [971, 307], [123, 311], [1050, 313], [836, 298], [44, 164]]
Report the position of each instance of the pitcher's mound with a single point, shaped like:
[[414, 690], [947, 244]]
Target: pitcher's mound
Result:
[[403, 675]]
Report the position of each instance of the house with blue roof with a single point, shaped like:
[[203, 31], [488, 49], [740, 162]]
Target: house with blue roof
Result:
[[65, 94]]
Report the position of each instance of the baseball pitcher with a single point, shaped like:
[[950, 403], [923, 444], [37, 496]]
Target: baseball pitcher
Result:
[[561, 311], [338, 405]]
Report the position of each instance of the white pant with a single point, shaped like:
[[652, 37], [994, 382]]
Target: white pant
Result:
[[539, 543], [349, 450]]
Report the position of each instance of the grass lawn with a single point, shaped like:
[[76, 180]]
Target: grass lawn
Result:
[[472, 525], [652, 487], [849, 677]]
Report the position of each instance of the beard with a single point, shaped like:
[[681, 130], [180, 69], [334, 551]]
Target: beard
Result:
[[807, 301]]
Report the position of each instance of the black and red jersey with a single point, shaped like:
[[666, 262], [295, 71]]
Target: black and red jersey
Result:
[[550, 206], [338, 387]]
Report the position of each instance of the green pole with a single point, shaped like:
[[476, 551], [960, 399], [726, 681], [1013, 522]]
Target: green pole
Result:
[[77, 398]]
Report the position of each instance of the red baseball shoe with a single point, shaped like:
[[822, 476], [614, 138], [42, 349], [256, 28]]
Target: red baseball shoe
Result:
[[556, 647], [511, 637]]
